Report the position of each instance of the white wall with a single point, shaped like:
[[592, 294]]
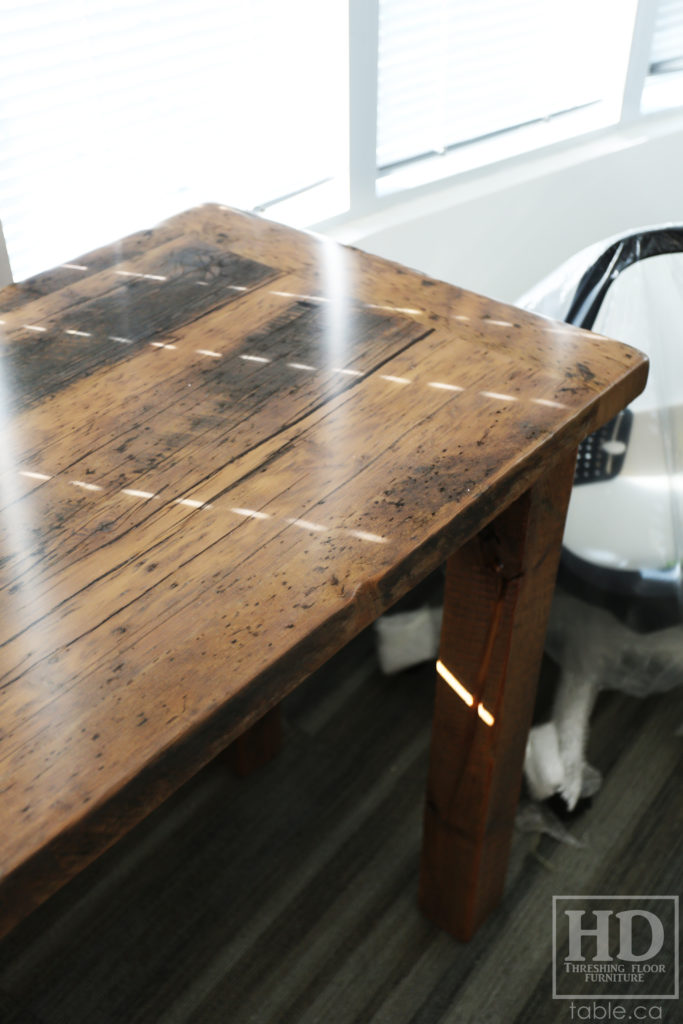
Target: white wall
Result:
[[500, 231]]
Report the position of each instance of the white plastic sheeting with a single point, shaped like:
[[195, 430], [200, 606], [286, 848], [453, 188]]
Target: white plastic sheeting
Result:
[[631, 290]]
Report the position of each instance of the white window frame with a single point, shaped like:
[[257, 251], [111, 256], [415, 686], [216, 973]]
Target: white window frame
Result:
[[639, 60], [430, 174], [366, 192]]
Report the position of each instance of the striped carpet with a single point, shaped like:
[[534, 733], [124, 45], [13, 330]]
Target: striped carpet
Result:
[[290, 896]]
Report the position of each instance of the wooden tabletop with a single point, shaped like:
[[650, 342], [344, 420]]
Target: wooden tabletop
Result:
[[227, 447]]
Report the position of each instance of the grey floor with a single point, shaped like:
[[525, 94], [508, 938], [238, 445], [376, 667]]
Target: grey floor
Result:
[[291, 896]]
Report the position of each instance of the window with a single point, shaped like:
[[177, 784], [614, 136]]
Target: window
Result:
[[664, 85], [450, 73], [667, 42], [116, 115]]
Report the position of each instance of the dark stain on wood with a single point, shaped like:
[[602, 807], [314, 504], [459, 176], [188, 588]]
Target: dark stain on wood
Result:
[[134, 310], [185, 533]]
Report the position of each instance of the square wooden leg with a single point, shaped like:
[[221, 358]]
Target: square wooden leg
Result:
[[258, 745], [499, 588]]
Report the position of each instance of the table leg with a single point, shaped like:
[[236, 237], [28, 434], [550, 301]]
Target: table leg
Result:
[[258, 745], [499, 588]]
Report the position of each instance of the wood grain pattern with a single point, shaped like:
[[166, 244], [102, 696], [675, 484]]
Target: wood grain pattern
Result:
[[499, 587], [197, 511]]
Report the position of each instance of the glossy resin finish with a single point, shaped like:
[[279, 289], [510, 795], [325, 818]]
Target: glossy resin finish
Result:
[[226, 448]]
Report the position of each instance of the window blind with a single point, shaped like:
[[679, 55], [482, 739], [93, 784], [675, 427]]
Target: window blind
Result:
[[451, 71], [114, 115], [667, 40]]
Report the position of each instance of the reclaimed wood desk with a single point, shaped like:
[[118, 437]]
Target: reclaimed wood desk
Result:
[[228, 447]]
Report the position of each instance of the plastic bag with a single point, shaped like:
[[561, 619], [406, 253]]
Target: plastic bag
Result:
[[625, 525]]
